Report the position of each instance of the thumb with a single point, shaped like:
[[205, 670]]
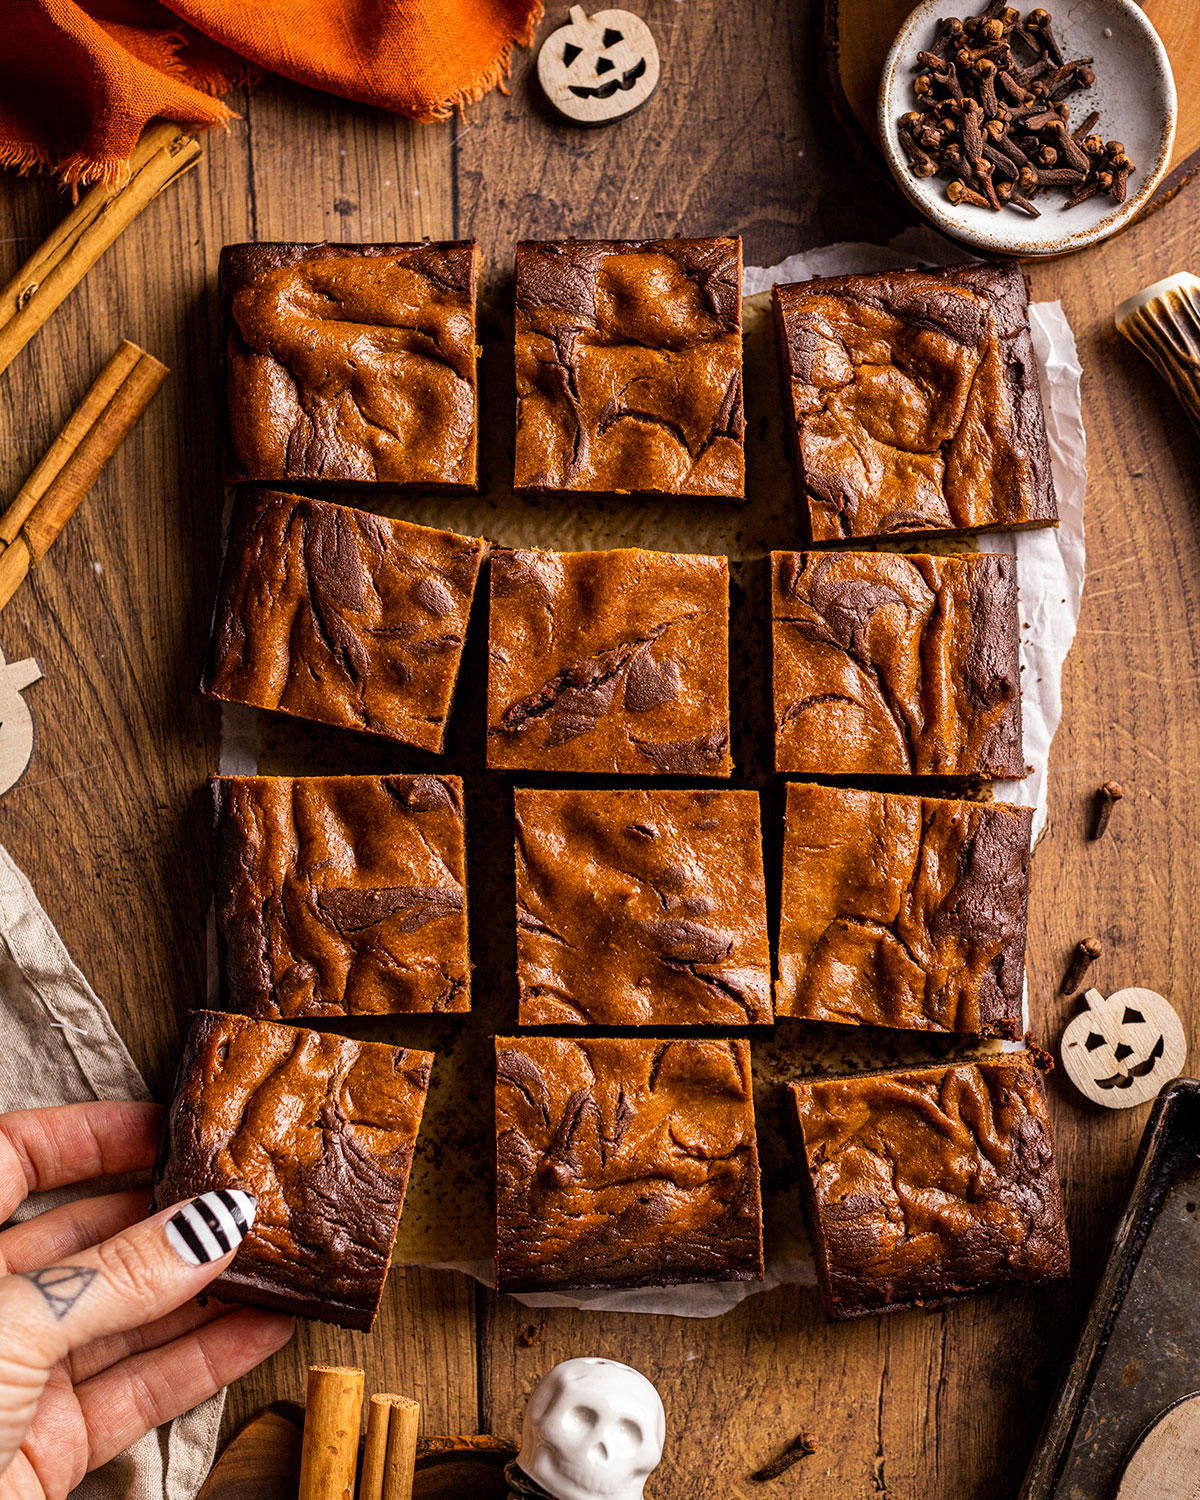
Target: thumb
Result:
[[141, 1274]]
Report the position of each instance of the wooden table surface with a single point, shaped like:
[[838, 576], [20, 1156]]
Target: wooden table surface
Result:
[[110, 823]]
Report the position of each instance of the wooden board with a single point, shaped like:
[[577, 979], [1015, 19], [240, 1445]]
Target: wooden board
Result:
[[858, 35], [262, 1462], [1167, 1460], [110, 820]]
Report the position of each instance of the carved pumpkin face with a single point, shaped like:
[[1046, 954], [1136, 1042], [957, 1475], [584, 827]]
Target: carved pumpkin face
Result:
[[1121, 1050], [600, 67]]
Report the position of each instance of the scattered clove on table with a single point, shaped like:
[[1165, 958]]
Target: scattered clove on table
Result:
[[1107, 796], [800, 1447], [993, 116], [1087, 951]]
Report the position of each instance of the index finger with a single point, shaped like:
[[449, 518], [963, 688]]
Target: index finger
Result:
[[47, 1148]]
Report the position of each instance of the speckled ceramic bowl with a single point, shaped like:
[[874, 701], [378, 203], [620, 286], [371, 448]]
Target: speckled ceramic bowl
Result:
[[1134, 93]]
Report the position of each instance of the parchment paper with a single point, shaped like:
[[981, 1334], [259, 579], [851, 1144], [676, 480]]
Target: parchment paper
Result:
[[448, 1216]]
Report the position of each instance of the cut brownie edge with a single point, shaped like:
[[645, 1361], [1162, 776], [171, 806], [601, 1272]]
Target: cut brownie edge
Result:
[[896, 664], [340, 616], [979, 1195], [609, 662], [641, 907], [903, 910], [325, 1231], [386, 391], [870, 463], [341, 895], [659, 317], [625, 1162]]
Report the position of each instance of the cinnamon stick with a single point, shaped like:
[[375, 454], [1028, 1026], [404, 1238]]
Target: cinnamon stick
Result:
[[332, 1417], [391, 1449], [65, 257], [73, 462]]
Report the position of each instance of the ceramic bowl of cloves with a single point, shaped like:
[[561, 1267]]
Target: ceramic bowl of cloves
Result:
[[1028, 132]]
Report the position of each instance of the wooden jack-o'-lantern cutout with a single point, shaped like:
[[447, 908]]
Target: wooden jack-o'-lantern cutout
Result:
[[598, 68], [1121, 1050], [16, 722]]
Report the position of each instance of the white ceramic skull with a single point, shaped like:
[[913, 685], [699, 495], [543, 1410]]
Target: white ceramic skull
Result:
[[593, 1430]]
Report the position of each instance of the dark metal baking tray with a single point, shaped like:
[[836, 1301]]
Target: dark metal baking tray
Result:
[[1140, 1346]]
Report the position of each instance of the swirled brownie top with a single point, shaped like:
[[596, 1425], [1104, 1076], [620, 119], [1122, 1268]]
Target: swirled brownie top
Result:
[[896, 665], [609, 661], [625, 1162], [332, 614], [629, 366], [916, 402], [351, 363], [641, 908], [341, 895], [929, 1183], [903, 911], [321, 1130]]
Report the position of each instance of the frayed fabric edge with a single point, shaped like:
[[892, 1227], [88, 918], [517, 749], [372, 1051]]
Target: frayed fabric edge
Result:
[[493, 77], [80, 170]]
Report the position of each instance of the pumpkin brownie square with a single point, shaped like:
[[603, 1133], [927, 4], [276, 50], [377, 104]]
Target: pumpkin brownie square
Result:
[[341, 895], [903, 911], [609, 661], [321, 1130], [641, 908], [623, 1162], [629, 367], [925, 1184], [351, 363], [896, 665], [915, 401], [332, 614]]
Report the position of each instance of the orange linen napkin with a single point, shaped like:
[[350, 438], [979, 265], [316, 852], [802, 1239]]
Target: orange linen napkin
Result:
[[80, 79]]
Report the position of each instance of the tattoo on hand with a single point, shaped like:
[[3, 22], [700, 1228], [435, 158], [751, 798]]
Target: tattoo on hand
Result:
[[62, 1286]]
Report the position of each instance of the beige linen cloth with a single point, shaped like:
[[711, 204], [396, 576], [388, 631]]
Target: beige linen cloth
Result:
[[58, 1046]]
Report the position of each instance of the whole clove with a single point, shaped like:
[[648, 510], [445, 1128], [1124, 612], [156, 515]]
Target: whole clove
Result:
[[1059, 177], [1107, 796], [1097, 182], [1087, 126], [958, 192], [800, 1447], [993, 117], [1087, 951]]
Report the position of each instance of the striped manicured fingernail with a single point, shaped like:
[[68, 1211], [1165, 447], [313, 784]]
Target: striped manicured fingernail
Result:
[[212, 1225]]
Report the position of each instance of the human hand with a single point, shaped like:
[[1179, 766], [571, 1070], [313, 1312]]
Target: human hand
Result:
[[100, 1339]]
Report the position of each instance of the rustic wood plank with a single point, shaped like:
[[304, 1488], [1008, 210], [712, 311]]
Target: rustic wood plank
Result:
[[733, 141], [101, 819], [110, 824], [423, 1346]]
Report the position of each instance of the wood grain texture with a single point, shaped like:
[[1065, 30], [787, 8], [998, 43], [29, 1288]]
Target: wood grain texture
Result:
[[110, 822], [263, 1459]]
